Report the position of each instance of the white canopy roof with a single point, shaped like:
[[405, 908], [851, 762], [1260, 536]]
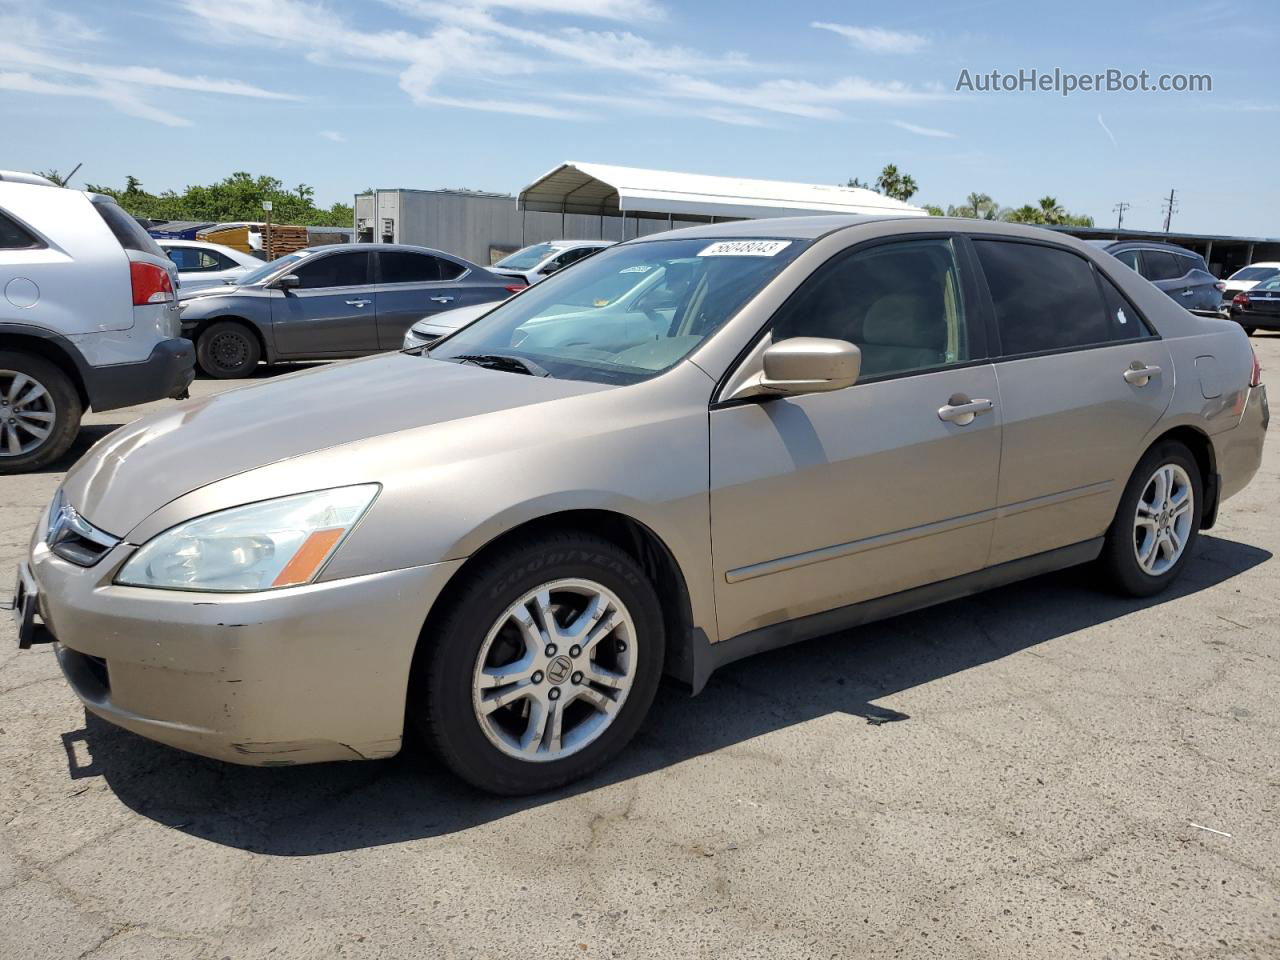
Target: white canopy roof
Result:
[[598, 188]]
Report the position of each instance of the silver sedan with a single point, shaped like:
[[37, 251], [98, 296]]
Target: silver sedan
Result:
[[687, 449]]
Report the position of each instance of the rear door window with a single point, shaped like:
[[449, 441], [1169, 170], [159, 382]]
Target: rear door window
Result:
[[400, 267], [1048, 299], [334, 270], [1160, 265]]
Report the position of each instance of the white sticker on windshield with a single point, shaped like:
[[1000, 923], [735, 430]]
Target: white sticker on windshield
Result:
[[744, 248], [638, 268]]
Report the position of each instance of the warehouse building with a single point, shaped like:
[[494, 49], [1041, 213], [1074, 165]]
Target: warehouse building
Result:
[[588, 201]]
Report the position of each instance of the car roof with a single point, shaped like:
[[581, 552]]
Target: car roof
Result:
[[1111, 246], [17, 176], [381, 247], [1263, 263]]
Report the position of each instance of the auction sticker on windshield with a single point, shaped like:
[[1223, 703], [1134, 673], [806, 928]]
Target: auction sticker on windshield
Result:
[[744, 248]]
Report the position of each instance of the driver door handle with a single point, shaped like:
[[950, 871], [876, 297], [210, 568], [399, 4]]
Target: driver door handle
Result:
[[442, 299], [358, 303], [1140, 375], [962, 412]]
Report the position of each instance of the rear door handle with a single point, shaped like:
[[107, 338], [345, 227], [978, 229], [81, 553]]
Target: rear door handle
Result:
[[442, 299], [358, 303], [964, 412], [1140, 375]]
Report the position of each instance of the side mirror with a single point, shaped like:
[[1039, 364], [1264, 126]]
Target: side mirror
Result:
[[289, 281], [803, 365]]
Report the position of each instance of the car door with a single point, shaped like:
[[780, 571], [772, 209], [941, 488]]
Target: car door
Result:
[[331, 312], [1168, 271], [413, 286], [1082, 379], [827, 499]]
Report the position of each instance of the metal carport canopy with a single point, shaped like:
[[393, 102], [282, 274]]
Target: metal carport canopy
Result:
[[603, 189]]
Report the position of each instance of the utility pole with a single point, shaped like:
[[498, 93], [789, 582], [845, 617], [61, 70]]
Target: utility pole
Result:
[[1170, 208], [1120, 208]]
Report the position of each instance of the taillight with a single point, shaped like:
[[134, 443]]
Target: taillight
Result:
[[151, 284], [516, 287], [1241, 298], [1255, 375]]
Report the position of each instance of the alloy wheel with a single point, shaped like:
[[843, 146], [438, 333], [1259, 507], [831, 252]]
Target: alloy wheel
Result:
[[1162, 524], [554, 670], [27, 413]]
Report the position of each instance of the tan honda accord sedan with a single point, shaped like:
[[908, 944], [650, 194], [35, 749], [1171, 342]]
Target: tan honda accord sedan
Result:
[[686, 449]]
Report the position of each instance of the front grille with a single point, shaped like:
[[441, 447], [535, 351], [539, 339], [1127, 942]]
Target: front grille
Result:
[[73, 538]]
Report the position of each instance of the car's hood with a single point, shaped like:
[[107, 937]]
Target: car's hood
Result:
[[215, 288], [144, 465], [454, 319]]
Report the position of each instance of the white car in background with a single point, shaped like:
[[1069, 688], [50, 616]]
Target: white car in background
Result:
[[538, 261], [201, 264], [1246, 278]]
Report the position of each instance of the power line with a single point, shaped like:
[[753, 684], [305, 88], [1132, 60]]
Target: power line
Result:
[[1120, 208], [1170, 207]]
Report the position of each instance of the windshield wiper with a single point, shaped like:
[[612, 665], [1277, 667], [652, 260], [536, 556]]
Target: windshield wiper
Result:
[[504, 361]]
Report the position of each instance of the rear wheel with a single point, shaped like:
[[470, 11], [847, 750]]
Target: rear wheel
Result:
[[228, 350], [39, 412], [1157, 522], [543, 667]]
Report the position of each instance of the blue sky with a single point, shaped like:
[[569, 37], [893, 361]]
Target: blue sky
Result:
[[488, 94]]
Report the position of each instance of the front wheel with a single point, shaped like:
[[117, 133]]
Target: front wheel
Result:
[[228, 350], [1157, 522], [542, 667]]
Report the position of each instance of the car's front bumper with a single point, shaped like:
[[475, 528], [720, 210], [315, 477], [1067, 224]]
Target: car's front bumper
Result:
[[288, 676]]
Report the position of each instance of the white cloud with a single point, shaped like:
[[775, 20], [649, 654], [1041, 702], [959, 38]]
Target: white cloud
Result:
[[45, 56], [120, 97], [333, 135], [1107, 130], [876, 39], [481, 55], [922, 131]]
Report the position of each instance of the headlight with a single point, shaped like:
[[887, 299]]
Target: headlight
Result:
[[260, 546]]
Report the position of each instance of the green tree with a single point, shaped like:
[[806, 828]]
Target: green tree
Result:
[[1051, 210], [978, 206], [935, 211], [237, 197], [1025, 214], [900, 186], [53, 175]]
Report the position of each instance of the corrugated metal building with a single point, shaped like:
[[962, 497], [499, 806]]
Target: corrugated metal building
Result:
[[588, 201]]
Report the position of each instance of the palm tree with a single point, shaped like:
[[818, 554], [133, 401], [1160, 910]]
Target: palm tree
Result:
[[976, 204], [900, 186], [1051, 210], [304, 192], [53, 175]]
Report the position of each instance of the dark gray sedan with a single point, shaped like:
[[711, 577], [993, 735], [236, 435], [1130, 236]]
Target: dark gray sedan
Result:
[[334, 301]]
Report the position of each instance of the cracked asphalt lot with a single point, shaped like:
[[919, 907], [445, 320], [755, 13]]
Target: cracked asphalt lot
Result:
[[1077, 775]]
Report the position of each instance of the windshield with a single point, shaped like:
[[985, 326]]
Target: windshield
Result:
[[528, 258], [1272, 284], [627, 313], [267, 269], [1255, 273]]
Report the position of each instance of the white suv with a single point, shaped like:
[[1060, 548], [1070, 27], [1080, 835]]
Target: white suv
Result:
[[88, 317], [538, 261]]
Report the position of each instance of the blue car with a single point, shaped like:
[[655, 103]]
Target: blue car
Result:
[[1179, 272]]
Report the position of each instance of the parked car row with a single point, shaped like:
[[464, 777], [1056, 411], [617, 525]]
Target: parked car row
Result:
[[686, 449]]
